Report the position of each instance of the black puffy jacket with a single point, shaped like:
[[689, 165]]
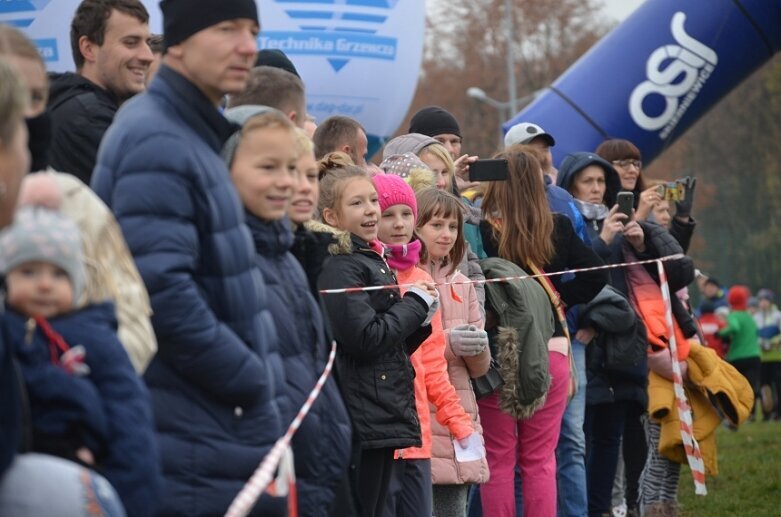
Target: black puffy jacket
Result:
[[81, 112], [376, 331]]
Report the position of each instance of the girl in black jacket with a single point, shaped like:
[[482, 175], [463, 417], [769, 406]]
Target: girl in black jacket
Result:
[[376, 331]]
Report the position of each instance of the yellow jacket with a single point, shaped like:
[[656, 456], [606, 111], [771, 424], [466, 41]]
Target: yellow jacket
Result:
[[709, 378]]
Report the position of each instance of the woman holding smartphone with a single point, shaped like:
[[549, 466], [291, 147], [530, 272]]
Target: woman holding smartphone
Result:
[[611, 395]]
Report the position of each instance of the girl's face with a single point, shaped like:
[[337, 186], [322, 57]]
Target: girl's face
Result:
[[662, 213], [307, 190], [264, 171], [439, 235], [396, 225], [589, 185], [629, 171], [358, 211], [441, 172], [39, 289]]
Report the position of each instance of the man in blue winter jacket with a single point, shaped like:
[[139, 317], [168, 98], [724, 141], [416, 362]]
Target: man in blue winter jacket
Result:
[[159, 170]]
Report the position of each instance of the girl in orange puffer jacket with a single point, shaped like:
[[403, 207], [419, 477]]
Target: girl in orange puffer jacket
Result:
[[410, 491]]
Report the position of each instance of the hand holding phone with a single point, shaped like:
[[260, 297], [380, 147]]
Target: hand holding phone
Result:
[[488, 170], [626, 201]]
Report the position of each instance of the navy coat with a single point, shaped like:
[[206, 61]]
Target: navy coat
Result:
[[322, 444], [212, 383], [108, 410], [10, 403]]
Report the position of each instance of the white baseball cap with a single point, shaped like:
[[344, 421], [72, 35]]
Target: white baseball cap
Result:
[[524, 133]]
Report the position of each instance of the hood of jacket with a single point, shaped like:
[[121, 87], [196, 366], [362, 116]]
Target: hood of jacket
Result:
[[342, 244], [520, 342], [409, 143], [64, 87], [573, 163], [271, 238], [609, 311]]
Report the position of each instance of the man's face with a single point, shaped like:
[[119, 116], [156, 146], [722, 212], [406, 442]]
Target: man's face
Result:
[[219, 58], [122, 62], [542, 144], [451, 142], [360, 149]]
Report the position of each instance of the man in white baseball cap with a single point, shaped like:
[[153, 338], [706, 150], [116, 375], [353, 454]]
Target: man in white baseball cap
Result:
[[527, 133]]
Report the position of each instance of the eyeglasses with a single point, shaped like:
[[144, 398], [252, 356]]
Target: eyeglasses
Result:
[[624, 164]]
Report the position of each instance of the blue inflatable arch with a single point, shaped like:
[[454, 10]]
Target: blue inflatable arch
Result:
[[656, 74]]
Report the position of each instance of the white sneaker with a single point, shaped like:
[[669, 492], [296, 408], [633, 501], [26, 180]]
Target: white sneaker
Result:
[[620, 510]]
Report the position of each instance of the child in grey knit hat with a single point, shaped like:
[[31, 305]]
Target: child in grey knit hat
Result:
[[40, 256], [87, 403]]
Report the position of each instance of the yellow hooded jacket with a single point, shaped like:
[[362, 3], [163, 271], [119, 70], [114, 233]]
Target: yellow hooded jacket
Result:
[[711, 382]]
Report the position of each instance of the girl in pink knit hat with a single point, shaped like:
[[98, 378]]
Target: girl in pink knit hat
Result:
[[412, 469]]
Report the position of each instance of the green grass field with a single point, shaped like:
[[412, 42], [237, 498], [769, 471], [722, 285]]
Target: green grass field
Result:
[[749, 481]]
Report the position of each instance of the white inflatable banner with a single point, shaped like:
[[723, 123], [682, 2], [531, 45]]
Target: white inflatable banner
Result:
[[359, 58], [48, 22]]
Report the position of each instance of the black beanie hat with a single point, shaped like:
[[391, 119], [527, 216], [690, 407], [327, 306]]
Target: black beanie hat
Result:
[[433, 121], [276, 58], [183, 18]]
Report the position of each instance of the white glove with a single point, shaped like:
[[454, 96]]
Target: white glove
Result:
[[468, 340]]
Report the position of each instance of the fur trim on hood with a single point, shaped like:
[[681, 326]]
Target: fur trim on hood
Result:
[[421, 179], [343, 244], [509, 367]]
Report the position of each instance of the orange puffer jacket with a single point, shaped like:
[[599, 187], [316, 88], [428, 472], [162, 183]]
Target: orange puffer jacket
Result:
[[432, 383], [460, 306]]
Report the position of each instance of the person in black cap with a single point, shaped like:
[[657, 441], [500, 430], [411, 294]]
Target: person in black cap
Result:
[[276, 58], [216, 379], [439, 124], [442, 126]]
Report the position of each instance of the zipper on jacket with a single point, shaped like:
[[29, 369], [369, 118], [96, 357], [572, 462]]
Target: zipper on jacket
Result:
[[30, 327]]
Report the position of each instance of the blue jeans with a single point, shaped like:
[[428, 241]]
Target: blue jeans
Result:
[[571, 450]]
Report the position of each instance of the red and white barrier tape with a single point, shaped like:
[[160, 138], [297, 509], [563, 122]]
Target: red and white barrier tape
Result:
[[245, 500], [690, 445], [506, 278]]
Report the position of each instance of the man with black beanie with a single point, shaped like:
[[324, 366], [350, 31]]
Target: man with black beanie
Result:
[[159, 170], [439, 124], [442, 126]]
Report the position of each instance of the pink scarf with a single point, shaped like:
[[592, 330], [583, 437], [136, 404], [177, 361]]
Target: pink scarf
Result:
[[401, 257]]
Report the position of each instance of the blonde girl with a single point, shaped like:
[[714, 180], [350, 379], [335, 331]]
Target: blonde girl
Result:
[[376, 332]]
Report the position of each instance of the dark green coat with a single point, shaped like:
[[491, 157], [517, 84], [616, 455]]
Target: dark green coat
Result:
[[520, 341]]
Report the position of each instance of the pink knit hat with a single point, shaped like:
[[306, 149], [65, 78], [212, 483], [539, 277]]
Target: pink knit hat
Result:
[[392, 190]]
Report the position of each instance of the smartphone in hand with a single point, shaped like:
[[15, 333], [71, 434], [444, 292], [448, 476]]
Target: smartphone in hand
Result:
[[488, 170], [626, 201]]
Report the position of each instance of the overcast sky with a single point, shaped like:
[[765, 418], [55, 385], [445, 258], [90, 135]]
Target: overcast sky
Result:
[[620, 9]]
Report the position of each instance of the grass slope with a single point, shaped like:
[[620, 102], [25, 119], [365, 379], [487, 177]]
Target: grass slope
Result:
[[749, 481]]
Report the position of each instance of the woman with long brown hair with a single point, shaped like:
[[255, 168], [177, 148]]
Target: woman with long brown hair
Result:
[[520, 228]]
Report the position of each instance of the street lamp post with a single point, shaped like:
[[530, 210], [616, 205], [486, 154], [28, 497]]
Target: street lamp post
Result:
[[508, 17], [506, 109], [502, 107]]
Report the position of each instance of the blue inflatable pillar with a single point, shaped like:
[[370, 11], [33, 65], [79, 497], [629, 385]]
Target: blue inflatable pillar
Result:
[[657, 73]]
